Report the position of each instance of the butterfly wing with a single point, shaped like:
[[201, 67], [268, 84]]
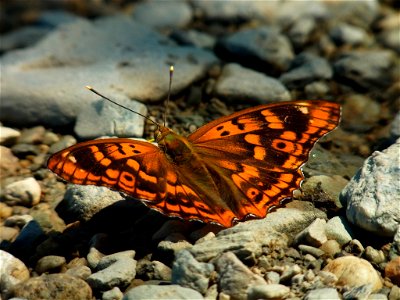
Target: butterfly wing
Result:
[[255, 155]]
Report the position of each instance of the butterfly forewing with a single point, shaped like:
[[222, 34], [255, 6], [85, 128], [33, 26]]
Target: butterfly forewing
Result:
[[238, 166]]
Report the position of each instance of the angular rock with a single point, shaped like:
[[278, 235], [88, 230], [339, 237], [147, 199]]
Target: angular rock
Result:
[[166, 292], [8, 136], [314, 234], [369, 195], [268, 291], [338, 229]]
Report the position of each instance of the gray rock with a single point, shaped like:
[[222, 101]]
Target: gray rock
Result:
[[145, 292], [54, 286], [322, 294], [269, 291], [390, 39], [306, 68], [358, 292], [369, 195], [108, 260], [161, 271], [349, 35], [74, 55], [314, 234], [338, 229], [365, 70], [22, 37], [374, 256], [8, 136], [289, 272], [170, 249], [301, 30], [64, 142], [188, 272], [93, 258], [235, 279], [119, 274], [272, 277], [113, 294], [82, 272], [12, 272], [83, 202], [246, 239], [50, 263], [163, 14], [194, 38], [263, 47], [316, 89], [115, 121], [241, 85], [311, 250], [26, 192]]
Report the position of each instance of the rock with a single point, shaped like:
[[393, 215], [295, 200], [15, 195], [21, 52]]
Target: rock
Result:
[[5, 213], [395, 248], [269, 291], [108, 260], [82, 272], [93, 258], [9, 163], [390, 39], [113, 294], [361, 113], [119, 274], [300, 31], [304, 69], [358, 292], [88, 49], [188, 272], [263, 48], [330, 248], [25, 192], [17, 220], [365, 70], [345, 267], [245, 240], [241, 85], [392, 270], [64, 142], [324, 293], [54, 286], [50, 263], [193, 38], [374, 256], [83, 202], [346, 34], [168, 250], [12, 272], [22, 38], [47, 218], [8, 136], [145, 292], [369, 195], [311, 250], [272, 277], [115, 121], [161, 271], [289, 272], [162, 15], [8, 233], [314, 234], [235, 279], [32, 135], [394, 293], [338, 229]]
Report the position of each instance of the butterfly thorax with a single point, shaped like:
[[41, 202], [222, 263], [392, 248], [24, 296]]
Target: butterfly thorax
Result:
[[175, 146]]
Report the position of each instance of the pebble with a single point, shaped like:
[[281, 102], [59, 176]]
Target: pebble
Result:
[[392, 270], [272, 277], [108, 260], [166, 292], [268, 291], [364, 70], [8, 136], [337, 228], [12, 272], [55, 287], [64, 142], [82, 272], [373, 255], [161, 271], [358, 292], [304, 69], [194, 38], [301, 30], [113, 294], [164, 14], [235, 278], [93, 257], [238, 84], [115, 121], [289, 272], [168, 249], [313, 235], [5, 213], [119, 274], [323, 293], [346, 34], [330, 247], [17, 220], [345, 267], [188, 272], [8, 233], [47, 218], [32, 135], [311, 250], [25, 192], [355, 247], [50, 263], [263, 48], [9, 163], [369, 194]]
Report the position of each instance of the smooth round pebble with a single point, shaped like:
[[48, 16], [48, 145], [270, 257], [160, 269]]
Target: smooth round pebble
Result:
[[49, 263], [24, 192], [145, 292], [12, 272], [268, 291]]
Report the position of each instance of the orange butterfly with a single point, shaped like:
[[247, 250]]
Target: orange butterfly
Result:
[[235, 167]]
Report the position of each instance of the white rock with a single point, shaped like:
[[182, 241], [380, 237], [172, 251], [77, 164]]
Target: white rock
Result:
[[25, 192], [12, 272]]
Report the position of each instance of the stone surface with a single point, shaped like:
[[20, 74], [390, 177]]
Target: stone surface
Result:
[[235, 279], [392, 270], [369, 195], [241, 85], [268, 291], [338, 229], [8, 135], [314, 234], [321, 294], [24, 192], [145, 292], [54, 286], [113, 294], [50, 263], [115, 47], [345, 267], [349, 35], [12, 272], [188, 272]]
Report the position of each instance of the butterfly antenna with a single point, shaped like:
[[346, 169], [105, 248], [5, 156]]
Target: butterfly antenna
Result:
[[171, 73], [120, 105]]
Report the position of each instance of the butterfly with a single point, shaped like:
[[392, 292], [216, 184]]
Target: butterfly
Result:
[[234, 168]]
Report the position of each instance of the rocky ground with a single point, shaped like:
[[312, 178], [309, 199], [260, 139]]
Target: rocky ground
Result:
[[340, 237]]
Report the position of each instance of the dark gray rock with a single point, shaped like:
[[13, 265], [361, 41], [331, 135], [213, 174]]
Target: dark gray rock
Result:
[[306, 68], [241, 85]]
